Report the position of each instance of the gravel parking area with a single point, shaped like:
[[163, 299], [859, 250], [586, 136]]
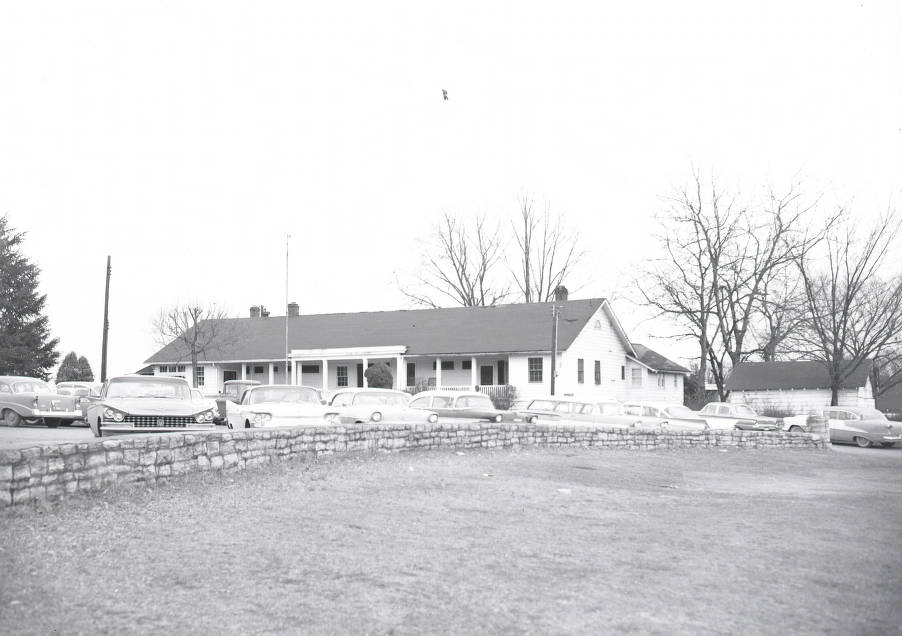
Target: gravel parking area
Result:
[[541, 541]]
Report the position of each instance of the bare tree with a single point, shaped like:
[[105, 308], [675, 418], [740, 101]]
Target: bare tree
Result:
[[546, 251], [781, 316], [854, 314], [720, 258], [193, 331], [682, 285], [460, 264]]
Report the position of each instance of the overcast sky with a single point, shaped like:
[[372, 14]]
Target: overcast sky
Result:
[[187, 139]]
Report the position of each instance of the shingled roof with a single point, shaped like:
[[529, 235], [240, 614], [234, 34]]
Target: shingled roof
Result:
[[524, 327], [801, 374], [657, 362]]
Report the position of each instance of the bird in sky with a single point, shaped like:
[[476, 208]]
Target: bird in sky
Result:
[[445, 94]]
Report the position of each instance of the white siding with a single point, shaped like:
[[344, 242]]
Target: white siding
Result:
[[799, 402], [597, 341], [519, 376]]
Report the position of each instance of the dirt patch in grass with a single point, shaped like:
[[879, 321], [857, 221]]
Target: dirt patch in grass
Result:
[[537, 541]]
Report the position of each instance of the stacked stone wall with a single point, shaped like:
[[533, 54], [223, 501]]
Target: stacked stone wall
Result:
[[50, 472]]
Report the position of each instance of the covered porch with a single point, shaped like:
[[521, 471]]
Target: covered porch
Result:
[[330, 369]]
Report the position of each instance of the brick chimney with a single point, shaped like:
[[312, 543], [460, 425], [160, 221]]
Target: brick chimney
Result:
[[264, 312], [255, 311], [560, 293], [294, 309]]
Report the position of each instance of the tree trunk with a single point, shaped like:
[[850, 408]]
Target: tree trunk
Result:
[[834, 396], [194, 368]]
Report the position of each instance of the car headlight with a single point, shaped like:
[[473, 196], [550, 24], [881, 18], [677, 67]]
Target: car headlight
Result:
[[113, 414], [433, 418], [261, 418], [208, 416], [376, 416], [498, 419]]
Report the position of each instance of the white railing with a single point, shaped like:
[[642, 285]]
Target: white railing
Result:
[[493, 390]]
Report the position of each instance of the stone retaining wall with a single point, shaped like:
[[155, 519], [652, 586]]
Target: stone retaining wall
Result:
[[50, 472]]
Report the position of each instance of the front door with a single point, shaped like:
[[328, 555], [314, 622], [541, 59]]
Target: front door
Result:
[[359, 374], [486, 375], [502, 372]]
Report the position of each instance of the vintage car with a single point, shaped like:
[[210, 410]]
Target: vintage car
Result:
[[861, 425], [357, 406], [147, 404], [726, 415], [277, 405], [671, 417], [467, 404], [232, 391], [198, 396], [86, 392], [32, 401], [598, 410]]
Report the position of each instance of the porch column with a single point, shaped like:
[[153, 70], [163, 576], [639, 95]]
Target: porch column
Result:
[[401, 386], [294, 372], [325, 375], [365, 367], [438, 373], [473, 372], [243, 371], [271, 373]]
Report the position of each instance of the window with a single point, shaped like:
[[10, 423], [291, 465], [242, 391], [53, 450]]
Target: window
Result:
[[258, 369], [598, 372], [342, 399], [637, 377], [247, 369], [199, 375], [420, 403], [535, 369], [466, 365], [660, 381], [309, 368], [341, 374], [4, 388], [580, 371], [447, 365], [441, 402], [623, 373], [275, 369], [411, 373], [180, 368]]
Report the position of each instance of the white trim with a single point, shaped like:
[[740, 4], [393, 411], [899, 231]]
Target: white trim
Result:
[[349, 352]]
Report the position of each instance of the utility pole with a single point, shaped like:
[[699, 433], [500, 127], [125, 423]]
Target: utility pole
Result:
[[106, 321], [287, 362], [554, 315]]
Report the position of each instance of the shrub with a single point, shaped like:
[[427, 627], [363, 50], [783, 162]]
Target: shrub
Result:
[[504, 398], [379, 376]]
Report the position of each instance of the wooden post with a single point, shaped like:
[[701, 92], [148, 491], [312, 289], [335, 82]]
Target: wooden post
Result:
[[106, 321]]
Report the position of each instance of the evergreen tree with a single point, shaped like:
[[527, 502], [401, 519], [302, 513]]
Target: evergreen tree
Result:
[[85, 374], [379, 376], [25, 344], [68, 371]]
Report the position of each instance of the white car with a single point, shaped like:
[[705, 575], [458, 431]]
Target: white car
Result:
[[207, 402], [358, 406], [672, 417], [604, 411], [266, 405]]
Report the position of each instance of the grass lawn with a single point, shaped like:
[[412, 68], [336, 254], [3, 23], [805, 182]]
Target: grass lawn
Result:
[[540, 541]]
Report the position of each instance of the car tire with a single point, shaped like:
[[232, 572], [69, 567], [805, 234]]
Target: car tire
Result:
[[11, 418], [888, 444], [863, 442], [51, 422], [796, 429]]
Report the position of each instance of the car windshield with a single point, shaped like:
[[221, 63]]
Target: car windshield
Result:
[[543, 405], [234, 390], [381, 399], [30, 386], [147, 388], [871, 414], [479, 402], [679, 411], [282, 394]]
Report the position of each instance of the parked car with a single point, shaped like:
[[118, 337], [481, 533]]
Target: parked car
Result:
[[148, 404], [605, 411], [356, 406], [725, 415], [277, 405], [232, 390], [86, 392], [467, 404], [672, 417], [517, 411], [32, 401], [861, 425]]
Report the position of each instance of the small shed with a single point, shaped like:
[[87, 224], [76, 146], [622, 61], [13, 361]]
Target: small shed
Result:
[[797, 387]]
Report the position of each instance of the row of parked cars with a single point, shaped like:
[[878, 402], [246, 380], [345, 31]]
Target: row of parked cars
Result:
[[137, 403]]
